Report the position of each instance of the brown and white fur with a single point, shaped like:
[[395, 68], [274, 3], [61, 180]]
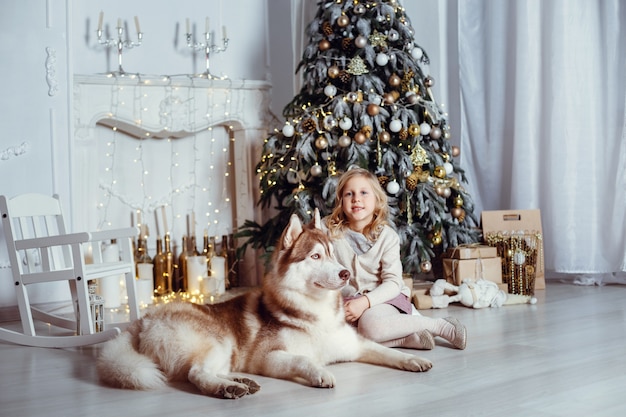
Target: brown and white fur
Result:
[[290, 329]]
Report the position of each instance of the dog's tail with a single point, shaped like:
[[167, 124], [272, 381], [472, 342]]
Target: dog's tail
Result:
[[520, 299], [120, 365]]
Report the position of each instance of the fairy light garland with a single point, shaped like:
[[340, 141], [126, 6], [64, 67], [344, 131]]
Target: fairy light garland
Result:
[[193, 184]]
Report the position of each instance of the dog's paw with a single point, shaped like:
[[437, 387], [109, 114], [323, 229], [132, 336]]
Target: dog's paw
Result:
[[322, 379], [252, 385], [417, 364]]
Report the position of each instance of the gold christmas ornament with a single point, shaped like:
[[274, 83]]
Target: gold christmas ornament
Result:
[[384, 136], [321, 142], [357, 66], [343, 21], [323, 45], [419, 156], [378, 39], [360, 138], [414, 130], [426, 266], [344, 141], [437, 239], [456, 212], [439, 171], [316, 170], [360, 41], [333, 71], [388, 98], [458, 201], [456, 151], [394, 80], [373, 109]]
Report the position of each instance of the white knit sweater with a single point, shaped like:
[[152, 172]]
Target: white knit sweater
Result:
[[376, 273]]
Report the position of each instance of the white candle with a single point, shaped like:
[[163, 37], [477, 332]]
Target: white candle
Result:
[[145, 283], [196, 273], [224, 32], [206, 25], [218, 275], [119, 22], [165, 231], [156, 222], [110, 288], [188, 26], [137, 24], [100, 19]]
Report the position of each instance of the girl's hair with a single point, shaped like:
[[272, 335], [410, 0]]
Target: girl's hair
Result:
[[337, 221]]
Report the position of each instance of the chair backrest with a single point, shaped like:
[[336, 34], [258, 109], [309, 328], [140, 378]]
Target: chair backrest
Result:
[[29, 216]]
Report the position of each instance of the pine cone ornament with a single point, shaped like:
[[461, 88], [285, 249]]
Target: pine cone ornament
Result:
[[327, 28], [367, 131], [382, 180], [308, 125], [403, 134], [412, 181], [344, 77]]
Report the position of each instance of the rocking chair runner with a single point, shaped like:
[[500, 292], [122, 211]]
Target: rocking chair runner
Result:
[[41, 251]]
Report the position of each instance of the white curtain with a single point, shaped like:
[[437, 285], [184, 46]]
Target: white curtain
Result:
[[543, 91]]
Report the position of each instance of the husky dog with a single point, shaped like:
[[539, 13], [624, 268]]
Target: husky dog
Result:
[[289, 329]]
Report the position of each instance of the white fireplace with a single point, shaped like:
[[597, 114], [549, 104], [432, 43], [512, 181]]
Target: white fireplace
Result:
[[167, 151]]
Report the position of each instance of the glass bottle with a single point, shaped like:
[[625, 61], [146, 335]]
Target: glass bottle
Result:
[[160, 265], [227, 261], [168, 274], [182, 265]]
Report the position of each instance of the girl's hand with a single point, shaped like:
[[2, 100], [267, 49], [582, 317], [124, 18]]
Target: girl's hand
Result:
[[354, 308]]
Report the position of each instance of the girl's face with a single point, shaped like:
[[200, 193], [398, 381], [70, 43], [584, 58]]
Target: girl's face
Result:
[[358, 203]]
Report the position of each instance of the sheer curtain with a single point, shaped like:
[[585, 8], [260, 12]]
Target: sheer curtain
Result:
[[543, 91]]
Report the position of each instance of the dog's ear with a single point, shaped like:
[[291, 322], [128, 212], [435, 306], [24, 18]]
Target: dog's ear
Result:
[[317, 220], [294, 229]]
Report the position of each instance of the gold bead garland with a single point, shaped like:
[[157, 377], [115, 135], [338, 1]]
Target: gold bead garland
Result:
[[521, 255]]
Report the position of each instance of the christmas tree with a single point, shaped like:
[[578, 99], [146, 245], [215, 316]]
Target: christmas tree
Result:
[[367, 101]]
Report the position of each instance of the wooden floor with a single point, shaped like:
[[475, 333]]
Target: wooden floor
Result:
[[564, 356]]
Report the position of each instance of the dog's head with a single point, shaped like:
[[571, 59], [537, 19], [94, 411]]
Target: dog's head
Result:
[[304, 257]]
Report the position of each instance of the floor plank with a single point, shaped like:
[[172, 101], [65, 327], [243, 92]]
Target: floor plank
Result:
[[563, 356]]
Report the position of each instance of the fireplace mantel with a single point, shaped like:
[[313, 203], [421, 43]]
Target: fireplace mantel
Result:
[[143, 106]]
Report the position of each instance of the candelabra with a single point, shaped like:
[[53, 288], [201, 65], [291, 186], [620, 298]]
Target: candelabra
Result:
[[120, 42], [209, 47]]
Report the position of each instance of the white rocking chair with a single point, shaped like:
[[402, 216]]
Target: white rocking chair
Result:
[[41, 251]]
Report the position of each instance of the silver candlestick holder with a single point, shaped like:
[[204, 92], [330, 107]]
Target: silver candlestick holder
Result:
[[120, 43], [209, 48]]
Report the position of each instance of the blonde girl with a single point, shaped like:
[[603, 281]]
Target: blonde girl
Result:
[[376, 299]]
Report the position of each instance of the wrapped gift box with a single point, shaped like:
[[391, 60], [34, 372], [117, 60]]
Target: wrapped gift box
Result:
[[456, 270], [472, 251]]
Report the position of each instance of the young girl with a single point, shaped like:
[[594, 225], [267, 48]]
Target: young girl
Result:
[[376, 299]]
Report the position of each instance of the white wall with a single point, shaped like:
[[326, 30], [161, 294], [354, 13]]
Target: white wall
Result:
[[43, 44]]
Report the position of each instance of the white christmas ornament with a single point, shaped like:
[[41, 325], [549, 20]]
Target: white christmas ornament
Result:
[[382, 59], [448, 167], [330, 90], [417, 53], [424, 129], [288, 130], [395, 125], [345, 123], [393, 187]]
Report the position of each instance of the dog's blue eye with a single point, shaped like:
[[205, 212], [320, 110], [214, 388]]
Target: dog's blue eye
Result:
[[315, 256]]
